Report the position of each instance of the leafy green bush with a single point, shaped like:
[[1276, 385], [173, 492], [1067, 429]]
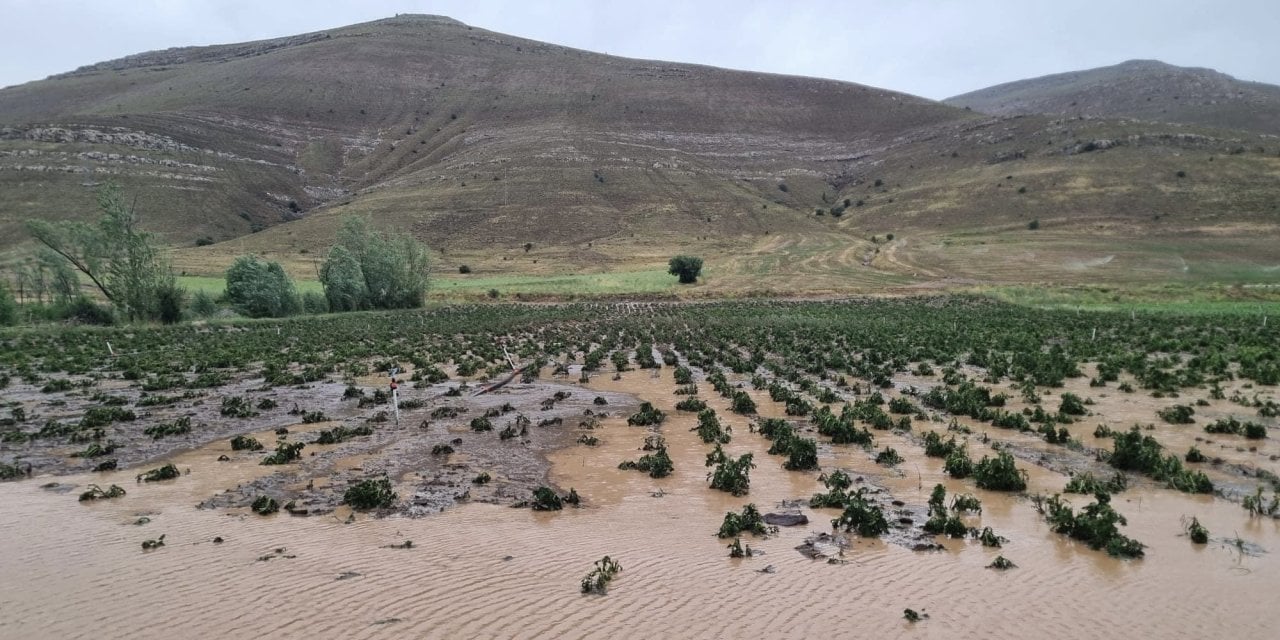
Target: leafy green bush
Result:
[[999, 473], [1088, 484], [646, 416], [1072, 405], [598, 579], [370, 494], [742, 403], [862, 516], [888, 457], [237, 407], [687, 268], [957, 463], [261, 289], [264, 505], [657, 464], [1251, 430], [750, 520], [284, 453], [1177, 414], [202, 305], [731, 475], [545, 499], [180, 426], [1097, 525], [1137, 452], [341, 433], [709, 428]]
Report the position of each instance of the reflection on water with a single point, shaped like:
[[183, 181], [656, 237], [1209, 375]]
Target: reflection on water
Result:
[[75, 570]]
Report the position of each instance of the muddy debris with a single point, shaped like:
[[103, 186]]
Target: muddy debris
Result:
[[429, 477], [820, 546], [794, 519]]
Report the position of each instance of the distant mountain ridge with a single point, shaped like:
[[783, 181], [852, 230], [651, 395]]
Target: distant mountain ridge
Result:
[[515, 157], [1143, 89]]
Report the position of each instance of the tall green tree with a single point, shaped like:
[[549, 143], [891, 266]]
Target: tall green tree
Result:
[[371, 269], [343, 280], [261, 288], [125, 263]]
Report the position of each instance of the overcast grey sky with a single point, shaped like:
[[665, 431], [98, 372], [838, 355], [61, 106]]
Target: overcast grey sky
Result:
[[932, 48]]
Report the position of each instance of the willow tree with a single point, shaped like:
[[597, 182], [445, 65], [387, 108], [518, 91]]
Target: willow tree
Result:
[[371, 269], [125, 263]]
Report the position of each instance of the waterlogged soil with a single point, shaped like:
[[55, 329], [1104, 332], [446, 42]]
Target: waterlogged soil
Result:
[[487, 570], [429, 482]]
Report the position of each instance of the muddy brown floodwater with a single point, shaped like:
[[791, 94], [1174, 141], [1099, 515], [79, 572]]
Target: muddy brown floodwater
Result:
[[77, 570]]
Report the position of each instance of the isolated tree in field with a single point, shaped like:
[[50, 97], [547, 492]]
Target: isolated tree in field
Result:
[[125, 263], [369, 269], [261, 288], [688, 268]]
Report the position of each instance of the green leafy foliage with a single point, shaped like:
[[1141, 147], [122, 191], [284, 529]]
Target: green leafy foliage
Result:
[[1141, 453], [546, 499], [1089, 484], [888, 457], [95, 492], [261, 289], [687, 268], [372, 493], [957, 463], [646, 416], [1177, 414], [284, 453], [731, 475], [749, 520], [1097, 525], [125, 264], [598, 579], [264, 505], [657, 464], [709, 428], [368, 269], [861, 516], [999, 473]]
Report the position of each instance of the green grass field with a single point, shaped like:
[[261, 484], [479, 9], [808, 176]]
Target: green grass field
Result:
[[215, 286], [588, 285], [466, 287]]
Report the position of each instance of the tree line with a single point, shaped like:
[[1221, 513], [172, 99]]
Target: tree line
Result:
[[366, 269]]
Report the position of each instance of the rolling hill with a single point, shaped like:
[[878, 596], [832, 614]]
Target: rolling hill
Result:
[[1140, 89], [520, 158]]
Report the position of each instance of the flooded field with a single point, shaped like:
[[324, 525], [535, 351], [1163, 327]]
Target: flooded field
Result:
[[453, 558]]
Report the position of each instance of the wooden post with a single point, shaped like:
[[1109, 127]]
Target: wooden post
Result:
[[395, 392]]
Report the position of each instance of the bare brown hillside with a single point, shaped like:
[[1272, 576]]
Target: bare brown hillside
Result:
[[1143, 89], [481, 143]]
